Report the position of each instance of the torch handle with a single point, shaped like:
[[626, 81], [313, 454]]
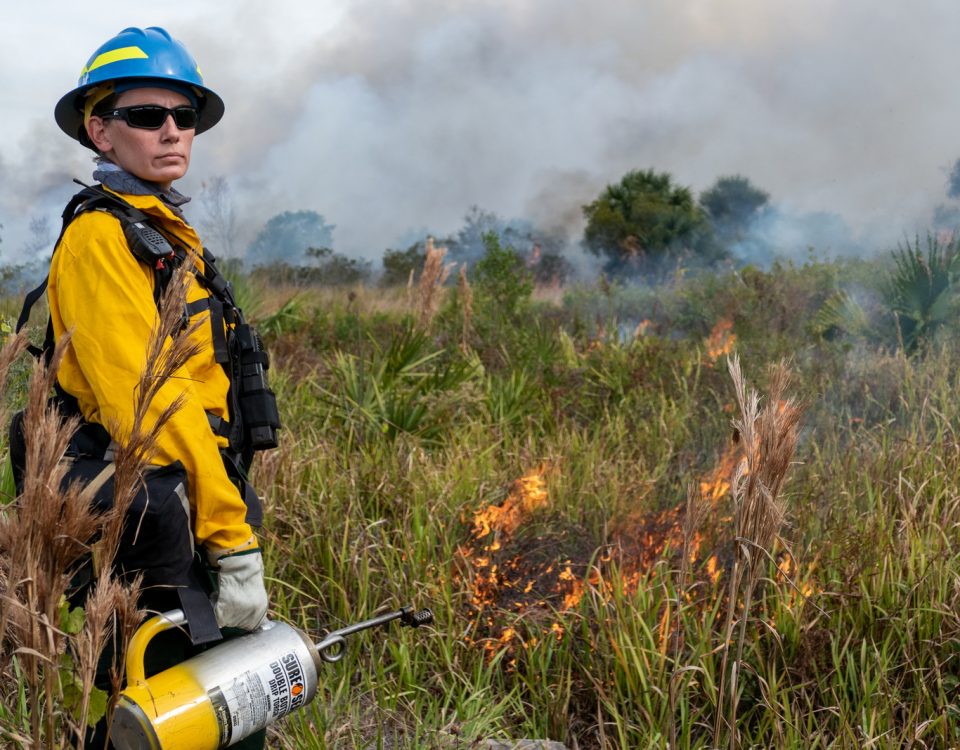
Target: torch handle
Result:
[[333, 647]]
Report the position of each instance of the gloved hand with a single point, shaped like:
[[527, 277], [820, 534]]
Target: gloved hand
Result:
[[241, 601]]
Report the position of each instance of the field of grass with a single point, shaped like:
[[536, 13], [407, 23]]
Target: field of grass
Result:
[[554, 477]]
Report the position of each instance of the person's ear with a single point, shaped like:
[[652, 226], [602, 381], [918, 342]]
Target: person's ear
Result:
[[99, 135]]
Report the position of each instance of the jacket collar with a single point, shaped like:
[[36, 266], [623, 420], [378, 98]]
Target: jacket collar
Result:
[[119, 180]]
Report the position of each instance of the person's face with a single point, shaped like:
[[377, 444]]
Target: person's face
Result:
[[159, 156]]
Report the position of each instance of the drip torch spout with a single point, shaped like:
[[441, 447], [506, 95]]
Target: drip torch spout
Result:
[[333, 647]]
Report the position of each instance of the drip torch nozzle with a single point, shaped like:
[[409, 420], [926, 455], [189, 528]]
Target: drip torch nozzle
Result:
[[416, 619]]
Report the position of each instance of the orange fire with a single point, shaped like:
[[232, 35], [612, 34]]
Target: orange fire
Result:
[[801, 587], [505, 576], [716, 484], [522, 578], [721, 340], [529, 494]]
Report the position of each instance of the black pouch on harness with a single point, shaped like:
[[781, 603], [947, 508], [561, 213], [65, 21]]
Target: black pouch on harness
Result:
[[258, 404], [156, 540]]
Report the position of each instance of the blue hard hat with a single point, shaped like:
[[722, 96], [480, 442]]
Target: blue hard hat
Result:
[[143, 57]]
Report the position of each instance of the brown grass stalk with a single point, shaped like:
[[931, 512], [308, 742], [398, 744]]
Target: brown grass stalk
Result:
[[466, 297], [89, 643], [42, 541], [432, 279], [769, 436]]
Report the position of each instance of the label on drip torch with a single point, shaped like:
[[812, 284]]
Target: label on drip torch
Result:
[[258, 697]]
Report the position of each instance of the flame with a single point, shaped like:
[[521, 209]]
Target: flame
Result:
[[713, 571], [572, 597], [721, 339], [529, 493], [789, 571], [517, 578], [695, 543], [716, 484]]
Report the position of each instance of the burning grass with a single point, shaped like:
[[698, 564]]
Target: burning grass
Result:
[[526, 571], [584, 604], [531, 576]]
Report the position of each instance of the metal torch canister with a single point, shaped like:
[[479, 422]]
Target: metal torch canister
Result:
[[217, 698]]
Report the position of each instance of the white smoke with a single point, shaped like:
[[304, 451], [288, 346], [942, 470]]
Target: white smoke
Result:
[[388, 116]]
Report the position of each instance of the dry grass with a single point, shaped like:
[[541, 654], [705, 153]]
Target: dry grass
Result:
[[430, 287], [362, 299], [769, 437], [466, 296], [43, 540]]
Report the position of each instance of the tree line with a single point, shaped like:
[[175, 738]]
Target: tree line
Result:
[[639, 225]]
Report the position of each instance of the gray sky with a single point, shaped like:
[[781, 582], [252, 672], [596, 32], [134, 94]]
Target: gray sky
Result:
[[388, 117]]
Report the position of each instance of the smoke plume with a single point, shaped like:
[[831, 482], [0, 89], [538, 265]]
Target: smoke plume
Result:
[[404, 114]]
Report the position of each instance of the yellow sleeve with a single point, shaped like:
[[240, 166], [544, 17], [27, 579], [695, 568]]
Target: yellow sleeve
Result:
[[100, 292]]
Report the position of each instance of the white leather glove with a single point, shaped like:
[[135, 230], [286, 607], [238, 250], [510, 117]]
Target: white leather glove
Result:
[[241, 601]]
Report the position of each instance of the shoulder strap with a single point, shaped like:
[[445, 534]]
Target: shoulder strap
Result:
[[216, 282]]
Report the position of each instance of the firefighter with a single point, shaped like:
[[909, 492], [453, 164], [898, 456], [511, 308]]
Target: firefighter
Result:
[[139, 103]]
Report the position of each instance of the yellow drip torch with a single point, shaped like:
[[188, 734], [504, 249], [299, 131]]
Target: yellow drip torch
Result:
[[222, 695]]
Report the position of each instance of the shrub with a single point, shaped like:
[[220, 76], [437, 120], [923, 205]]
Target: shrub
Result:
[[501, 279], [920, 291], [398, 265]]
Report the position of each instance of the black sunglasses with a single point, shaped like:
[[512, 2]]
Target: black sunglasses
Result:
[[153, 116]]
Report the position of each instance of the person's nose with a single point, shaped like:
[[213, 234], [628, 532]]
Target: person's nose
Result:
[[169, 132]]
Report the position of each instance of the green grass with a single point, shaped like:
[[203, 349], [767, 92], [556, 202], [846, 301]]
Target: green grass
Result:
[[625, 426], [393, 440]]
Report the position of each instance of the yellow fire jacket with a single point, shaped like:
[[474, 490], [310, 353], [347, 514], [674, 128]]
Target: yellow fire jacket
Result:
[[98, 290]]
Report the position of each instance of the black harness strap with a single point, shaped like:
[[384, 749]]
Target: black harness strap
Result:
[[219, 425], [233, 463], [220, 349], [197, 607], [29, 301], [198, 306]]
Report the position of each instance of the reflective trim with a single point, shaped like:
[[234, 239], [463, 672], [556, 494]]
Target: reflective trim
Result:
[[115, 55]]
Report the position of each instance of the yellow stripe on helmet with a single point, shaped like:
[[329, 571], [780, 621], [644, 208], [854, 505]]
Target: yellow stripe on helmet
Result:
[[115, 55]]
